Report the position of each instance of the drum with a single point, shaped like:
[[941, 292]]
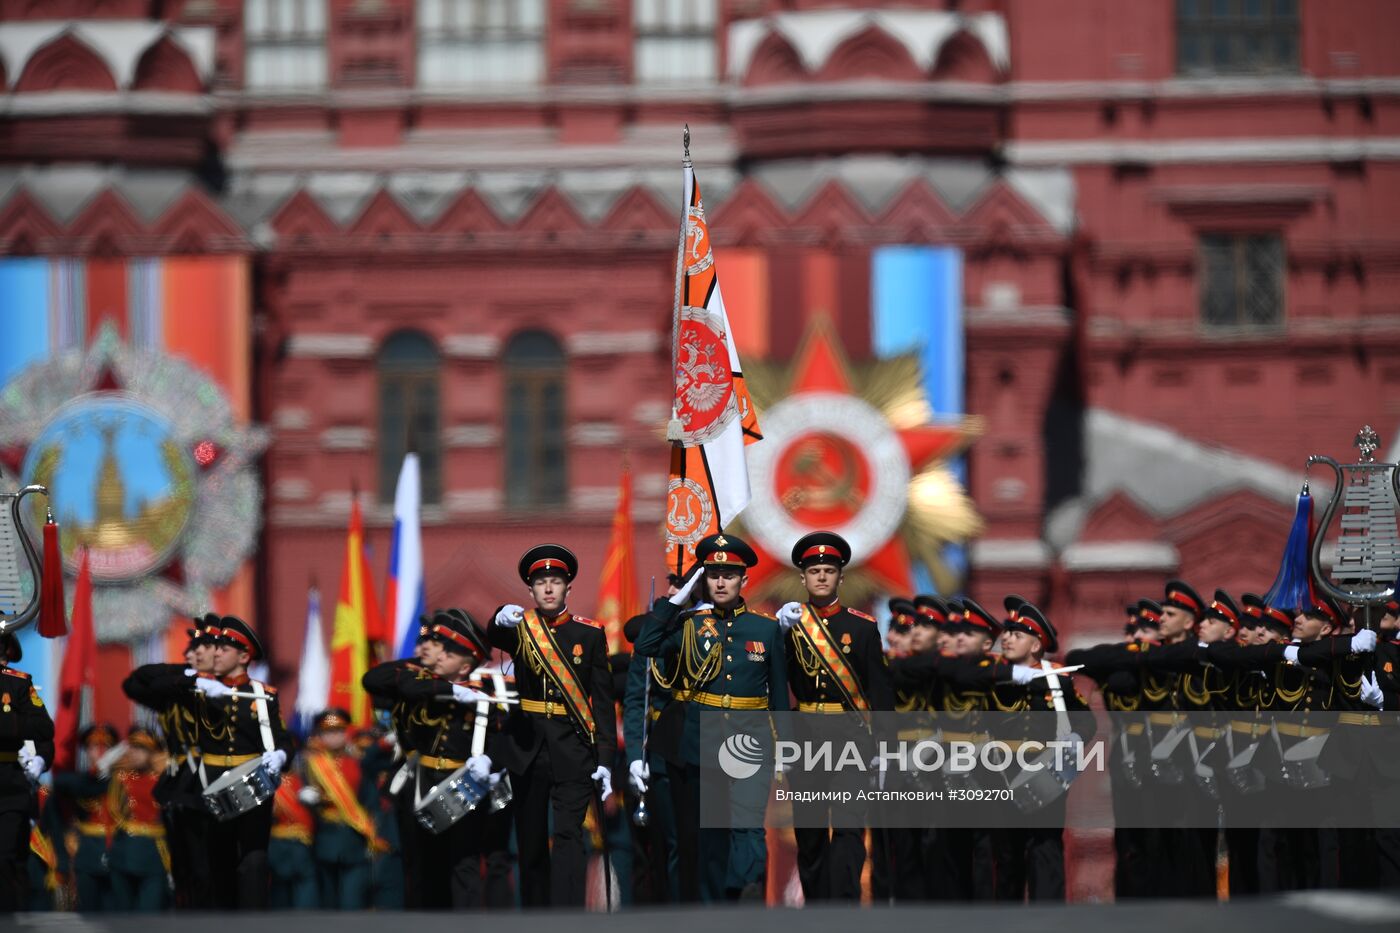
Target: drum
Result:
[[450, 800], [1300, 768], [1244, 775], [1035, 790], [1164, 769], [241, 790], [502, 795]]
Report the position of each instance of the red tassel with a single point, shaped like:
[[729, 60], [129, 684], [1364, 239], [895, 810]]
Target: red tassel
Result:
[[52, 616]]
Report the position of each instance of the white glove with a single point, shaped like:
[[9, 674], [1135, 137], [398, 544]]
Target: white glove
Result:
[[1022, 673], [1290, 654], [604, 775], [464, 694], [1363, 641], [309, 796], [479, 767], [211, 687], [275, 760], [1371, 693], [683, 594], [33, 764], [496, 777], [510, 616], [110, 758], [877, 764], [637, 775], [789, 615]]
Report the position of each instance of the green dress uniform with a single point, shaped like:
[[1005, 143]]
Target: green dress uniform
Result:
[[718, 659], [139, 858], [656, 866], [84, 798]]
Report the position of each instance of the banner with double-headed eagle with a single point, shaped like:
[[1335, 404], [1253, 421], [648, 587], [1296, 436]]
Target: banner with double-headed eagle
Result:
[[712, 417]]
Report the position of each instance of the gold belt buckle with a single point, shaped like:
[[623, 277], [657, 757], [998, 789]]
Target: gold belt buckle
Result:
[[727, 702], [549, 707]]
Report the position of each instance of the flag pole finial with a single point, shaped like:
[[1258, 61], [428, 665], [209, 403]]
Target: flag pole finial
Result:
[[685, 141]]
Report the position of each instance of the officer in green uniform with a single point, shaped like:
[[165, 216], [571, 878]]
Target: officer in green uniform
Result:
[[656, 858], [718, 658], [139, 858]]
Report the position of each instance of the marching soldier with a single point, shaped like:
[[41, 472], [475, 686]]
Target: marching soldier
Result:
[[722, 657], [289, 850], [897, 862], [838, 668], [164, 688], [239, 721], [656, 859], [83, 795], [440, 715], [26, 749], [1030, 859], [565, 733], [346, 839], [139, 857]]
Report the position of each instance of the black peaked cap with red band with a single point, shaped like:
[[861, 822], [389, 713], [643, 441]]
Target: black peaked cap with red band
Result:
[[548, 558], [1149, 613], [239, 634], [456, 631], [1131, 611], [1222, 607], [1327, 609], [1024, 616], [725, 550], [1180, 595], [977, 619], [931, 611], [821, 547], [1268, 616], [902, 613]]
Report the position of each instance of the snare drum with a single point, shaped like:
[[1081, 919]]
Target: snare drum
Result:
[[1300, 768], [450, 800], [241, 790], [1034, 790]]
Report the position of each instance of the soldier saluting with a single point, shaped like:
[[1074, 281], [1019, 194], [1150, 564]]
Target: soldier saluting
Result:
[[722, 657], [556, 745], [838, 668]]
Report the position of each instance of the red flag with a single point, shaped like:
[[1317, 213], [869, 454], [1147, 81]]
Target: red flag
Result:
[[76, 679], [355, 611], [617, 591]]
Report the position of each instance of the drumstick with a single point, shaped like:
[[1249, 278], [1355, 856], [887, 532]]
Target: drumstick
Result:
[[510, 696]]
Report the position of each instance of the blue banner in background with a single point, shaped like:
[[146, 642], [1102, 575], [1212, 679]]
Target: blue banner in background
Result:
[[916, 307]]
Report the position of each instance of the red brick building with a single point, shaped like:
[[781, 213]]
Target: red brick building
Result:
[[1180, 253]]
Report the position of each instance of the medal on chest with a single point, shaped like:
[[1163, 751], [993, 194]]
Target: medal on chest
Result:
[[757, 651], [578, 654]]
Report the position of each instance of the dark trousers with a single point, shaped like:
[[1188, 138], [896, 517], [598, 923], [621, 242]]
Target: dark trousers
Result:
[[238, 864], [718, 864], [188, 835], [14, 860], [1242, 846], [1030, 863], [408, 849], [829, 863], [655, 859], [343, 885], [897, 865], [500, 861], [960, 864], [293, 871], [553, 866], [448, 863]]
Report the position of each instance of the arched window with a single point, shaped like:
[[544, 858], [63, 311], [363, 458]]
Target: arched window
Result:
[[534, 403], [409, 411]]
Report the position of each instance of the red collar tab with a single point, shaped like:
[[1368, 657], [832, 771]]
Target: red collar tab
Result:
[[827, 612]]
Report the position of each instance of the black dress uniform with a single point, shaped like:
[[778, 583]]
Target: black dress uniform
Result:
[[447, 865], [164, 689], [1029, 860], [23, 718], [837, 669], [231, 734], [565, 728], [897, 860]]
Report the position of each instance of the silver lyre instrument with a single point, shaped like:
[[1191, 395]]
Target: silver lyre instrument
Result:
[[240, 790], [1368, 539], [15, 610]]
